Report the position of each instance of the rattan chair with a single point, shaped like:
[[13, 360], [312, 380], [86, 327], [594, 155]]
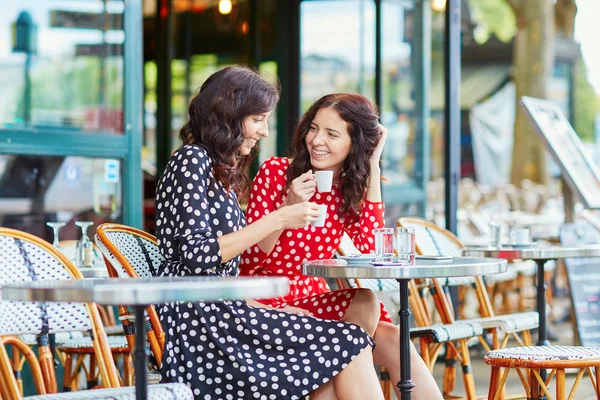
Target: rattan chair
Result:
[[25, 258], [533, 359], [28, 258], [433, 240], [133, 253], [167, 391]]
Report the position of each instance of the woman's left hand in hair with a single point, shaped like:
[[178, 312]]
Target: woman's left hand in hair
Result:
[[379, 148]]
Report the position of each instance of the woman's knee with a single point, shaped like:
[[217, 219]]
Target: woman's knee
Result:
[[365, 309]]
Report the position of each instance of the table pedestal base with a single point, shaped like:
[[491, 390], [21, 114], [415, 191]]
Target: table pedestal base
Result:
[[541, 308], [406, 385], [140, 354]]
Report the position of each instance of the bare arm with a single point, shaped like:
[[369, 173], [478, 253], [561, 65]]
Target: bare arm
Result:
[[296, 216], [301, 189]]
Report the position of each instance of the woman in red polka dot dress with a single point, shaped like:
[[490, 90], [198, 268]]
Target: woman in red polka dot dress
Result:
[[341, 133]]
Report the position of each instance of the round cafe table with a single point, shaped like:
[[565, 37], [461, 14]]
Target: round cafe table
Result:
[[456, 266], [142, 292]]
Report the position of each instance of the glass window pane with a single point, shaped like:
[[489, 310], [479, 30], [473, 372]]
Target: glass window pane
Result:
[[337, 49], [397, 105], [62, 65], [39, 189]]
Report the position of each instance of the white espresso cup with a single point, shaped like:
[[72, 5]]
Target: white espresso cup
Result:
[[520, 236], [324, 180], [319, 222]]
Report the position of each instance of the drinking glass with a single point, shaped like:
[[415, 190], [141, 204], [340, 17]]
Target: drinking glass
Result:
[[55, 228], [384, 244], [84, 251], [495, 234], [406, 244]]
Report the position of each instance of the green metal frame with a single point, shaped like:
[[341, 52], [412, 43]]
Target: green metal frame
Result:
[[126, 147]]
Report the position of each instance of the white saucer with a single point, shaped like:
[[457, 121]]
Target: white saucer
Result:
[[523, 245], [358, 258]]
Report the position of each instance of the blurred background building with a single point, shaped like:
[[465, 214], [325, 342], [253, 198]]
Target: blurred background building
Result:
[[92, 90]]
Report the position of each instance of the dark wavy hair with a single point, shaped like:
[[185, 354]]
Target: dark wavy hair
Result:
[[363, 127], [216, 120]]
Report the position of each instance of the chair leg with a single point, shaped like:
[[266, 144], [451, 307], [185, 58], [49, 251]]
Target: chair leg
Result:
[[560, 384], [449, 371], [494, 382], [16, 365], [128, 369], [467, 371], [67, 373], [597, 373], [534, 385], [92, 380], [48, 371]]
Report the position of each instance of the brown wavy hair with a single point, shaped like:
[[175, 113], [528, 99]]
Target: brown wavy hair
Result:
[[216, 120], [363, 127]]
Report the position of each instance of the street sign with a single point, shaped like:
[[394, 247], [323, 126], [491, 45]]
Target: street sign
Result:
[[85, 20], [99, 50]]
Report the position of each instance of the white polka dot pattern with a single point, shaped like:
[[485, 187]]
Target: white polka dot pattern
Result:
[[296, 246], [25, 317], [229, 350], [171, 391]]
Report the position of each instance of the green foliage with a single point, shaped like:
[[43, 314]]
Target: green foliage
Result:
[[586, 103], [493, 17]]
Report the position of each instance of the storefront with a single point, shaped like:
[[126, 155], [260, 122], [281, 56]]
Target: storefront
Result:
[[70, 114]]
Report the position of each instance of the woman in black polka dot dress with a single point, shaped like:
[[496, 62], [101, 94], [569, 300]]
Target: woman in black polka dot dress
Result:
[[239, 349]]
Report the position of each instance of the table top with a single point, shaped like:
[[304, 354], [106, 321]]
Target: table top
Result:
[[146, 291], [458, 266], [541, 252]]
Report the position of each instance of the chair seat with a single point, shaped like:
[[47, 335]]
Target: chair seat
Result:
[[114, 330], [511, 323], [59, 338], [449, 332], [545, 353], [115, 342], [169, 391]]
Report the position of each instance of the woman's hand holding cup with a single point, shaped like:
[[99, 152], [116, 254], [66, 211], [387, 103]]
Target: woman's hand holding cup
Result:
[[298, 215], [302, 189]]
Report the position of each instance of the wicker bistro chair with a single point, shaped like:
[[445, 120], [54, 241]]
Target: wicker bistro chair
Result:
[[28, 258], [432, 337], [133, 253], [432, 239], [168, 391], [533, 359], [74, 348]]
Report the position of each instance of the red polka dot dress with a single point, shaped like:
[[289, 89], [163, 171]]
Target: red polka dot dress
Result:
[[296, 246]]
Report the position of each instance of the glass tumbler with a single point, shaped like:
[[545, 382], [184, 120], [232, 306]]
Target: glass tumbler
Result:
[[406, 245], [384, 244]]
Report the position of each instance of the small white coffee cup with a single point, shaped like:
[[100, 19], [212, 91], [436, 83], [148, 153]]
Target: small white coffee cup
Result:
[[324, 180], [520, 236], [319, 222]]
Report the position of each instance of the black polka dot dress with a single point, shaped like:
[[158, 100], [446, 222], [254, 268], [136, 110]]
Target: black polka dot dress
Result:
[[230, 350]]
